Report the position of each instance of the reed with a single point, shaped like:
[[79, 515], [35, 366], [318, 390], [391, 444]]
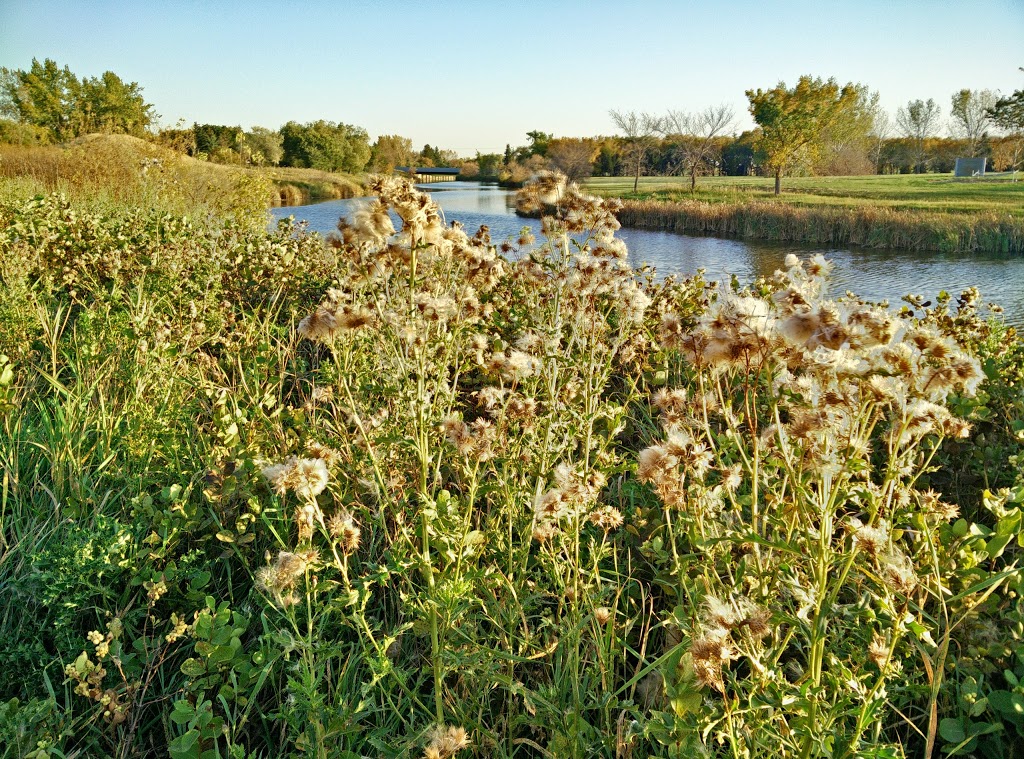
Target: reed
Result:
[[870, 227]]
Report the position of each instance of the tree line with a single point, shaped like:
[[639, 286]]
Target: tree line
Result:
[[816, 126]]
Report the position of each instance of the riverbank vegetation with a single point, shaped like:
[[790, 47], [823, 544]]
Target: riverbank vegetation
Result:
[[909, 212], [136, 171], [402, 496]]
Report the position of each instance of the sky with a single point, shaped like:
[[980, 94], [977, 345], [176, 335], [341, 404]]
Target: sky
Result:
[[475, 75]]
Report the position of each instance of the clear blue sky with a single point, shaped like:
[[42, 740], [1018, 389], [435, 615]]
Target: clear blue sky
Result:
[[476, 75]]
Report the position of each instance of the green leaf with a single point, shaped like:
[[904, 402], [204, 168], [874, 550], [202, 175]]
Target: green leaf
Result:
[[185, 746], [193, 668], [952, 730], [182, 713], [1002, 701]]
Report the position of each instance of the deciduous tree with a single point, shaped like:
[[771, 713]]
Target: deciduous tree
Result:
[[1007, 114], [970, 116], [697, 132], [573, 156], [54, 99], [390, 151], [918, 121], [793, 121], [639, 131], [325, 145]]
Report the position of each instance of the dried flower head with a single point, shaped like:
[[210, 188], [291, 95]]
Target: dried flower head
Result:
[[307, 478], [445, 742]]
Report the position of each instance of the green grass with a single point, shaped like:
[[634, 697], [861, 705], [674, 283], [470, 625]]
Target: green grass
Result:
[[262, 496], [920, 192]]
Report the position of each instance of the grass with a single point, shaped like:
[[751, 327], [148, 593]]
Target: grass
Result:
[[398, 496], [128, 169], [940, 193], [913, 212]]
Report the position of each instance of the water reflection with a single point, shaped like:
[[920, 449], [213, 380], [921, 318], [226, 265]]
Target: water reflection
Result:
[[877, 275]]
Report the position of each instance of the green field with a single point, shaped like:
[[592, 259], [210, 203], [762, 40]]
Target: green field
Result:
[[923, 192]]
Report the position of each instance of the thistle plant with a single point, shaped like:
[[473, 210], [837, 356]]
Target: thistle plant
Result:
[[412, 491]]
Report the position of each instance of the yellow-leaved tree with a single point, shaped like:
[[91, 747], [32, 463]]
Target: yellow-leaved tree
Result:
[[794, 120]]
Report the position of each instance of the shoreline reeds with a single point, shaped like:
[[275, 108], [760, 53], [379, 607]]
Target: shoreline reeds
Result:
[[864, 227]]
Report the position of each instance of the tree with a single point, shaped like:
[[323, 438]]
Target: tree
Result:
[[881, 128], [54, 99], [1007, 114], [391, 151], [639, 131], [573, 156], [970, 116], [262, 146], [793, 121], [918, 121], [44, 96], [218, 143], [108, 104], [847, 143], [325, 145], [539, 142], [738, 157], [697, 132]]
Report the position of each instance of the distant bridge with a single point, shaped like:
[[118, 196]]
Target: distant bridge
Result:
[[426, 175]]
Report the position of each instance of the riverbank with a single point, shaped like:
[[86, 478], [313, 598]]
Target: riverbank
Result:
[[866, 227], [128, 169], [921, 213]]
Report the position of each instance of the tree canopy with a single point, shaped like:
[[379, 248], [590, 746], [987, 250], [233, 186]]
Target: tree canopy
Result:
[[793, 120], [325, 145], [56, 100]]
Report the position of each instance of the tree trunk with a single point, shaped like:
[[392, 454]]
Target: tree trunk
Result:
[[636, 180], [693, 181], [778, 181]]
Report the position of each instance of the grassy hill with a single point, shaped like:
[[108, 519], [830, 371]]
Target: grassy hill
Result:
[[129, 169]]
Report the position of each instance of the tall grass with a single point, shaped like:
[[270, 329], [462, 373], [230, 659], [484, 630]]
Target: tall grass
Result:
[[862, 226], [400, 496]]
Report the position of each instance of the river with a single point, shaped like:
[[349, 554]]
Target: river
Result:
[[873, 274]]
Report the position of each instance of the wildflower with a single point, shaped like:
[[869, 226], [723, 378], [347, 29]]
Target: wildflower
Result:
[[732, 478], [343, 528], [328, 455], [720, 614], [445, 742], [872, 540], [709, 654], [932, 505], [898, 572], [283, 573], [602, 615], [544, 531], [607, 518], [154, 590], [306, 477], [878, 650], [818, 266], [654, 462], [671, 404], [178, 628]]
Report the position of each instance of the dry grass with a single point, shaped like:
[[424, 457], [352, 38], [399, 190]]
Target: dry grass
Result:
[[867, 226], [127, 169]]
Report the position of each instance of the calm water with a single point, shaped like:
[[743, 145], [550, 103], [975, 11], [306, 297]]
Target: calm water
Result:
[[877, 275]]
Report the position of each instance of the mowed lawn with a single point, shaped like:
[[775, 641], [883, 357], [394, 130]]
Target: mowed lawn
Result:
[[926, 192]]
